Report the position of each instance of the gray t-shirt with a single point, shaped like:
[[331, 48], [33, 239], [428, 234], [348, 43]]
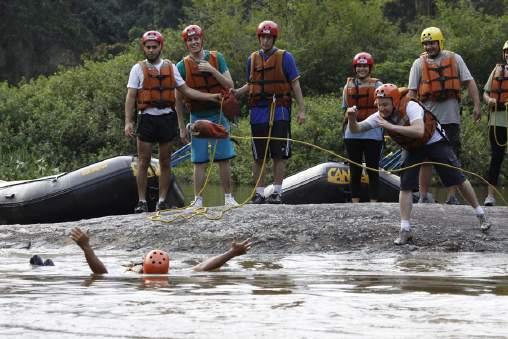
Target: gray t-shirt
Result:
[[447, 111]]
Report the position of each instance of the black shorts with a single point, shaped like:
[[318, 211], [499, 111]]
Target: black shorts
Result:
[[453, 134], [440, 152], [278, 149], [157, 128]]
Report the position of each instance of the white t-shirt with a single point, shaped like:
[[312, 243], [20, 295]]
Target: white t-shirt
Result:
[[414, 112], [447, 111], [136, 82]]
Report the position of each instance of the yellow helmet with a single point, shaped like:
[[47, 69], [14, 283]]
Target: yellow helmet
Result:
[[505, 46], [432, 34]]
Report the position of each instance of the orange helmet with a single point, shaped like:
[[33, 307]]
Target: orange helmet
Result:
[[191, 30], [156, 262], [363, 58], [152, 36], [268, 27], [389, 91]]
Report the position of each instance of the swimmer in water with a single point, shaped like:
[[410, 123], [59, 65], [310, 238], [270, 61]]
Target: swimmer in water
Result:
[[36, 260], [156, 261]]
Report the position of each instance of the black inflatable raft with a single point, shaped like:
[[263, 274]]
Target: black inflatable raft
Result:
[[329, 183], [104, 188]]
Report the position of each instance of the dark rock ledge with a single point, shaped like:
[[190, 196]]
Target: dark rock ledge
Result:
[[281, 229]]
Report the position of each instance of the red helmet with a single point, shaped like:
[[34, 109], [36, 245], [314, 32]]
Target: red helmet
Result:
[[156, 262], [152, 36], [363, 58], [389, 91], [268, 27], [191, 30]]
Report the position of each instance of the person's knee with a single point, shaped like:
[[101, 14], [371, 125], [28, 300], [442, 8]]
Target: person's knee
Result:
[[200, 168], [165, 163], [143, 161]]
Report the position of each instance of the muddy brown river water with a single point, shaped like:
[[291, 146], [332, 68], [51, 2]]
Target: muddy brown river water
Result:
[[315, 271], [306, 295]]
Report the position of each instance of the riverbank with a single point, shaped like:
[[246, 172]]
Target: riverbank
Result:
[[281, 229]]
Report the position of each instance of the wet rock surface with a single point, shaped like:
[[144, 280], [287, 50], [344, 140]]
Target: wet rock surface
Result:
[[280, 229]]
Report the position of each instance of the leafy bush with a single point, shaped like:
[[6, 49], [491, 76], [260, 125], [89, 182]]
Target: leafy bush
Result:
[[76, 117]]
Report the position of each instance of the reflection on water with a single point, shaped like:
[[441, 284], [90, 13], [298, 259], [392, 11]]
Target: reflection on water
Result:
[[346, 294]]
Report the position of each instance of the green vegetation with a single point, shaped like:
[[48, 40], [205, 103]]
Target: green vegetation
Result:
[[75, 117]]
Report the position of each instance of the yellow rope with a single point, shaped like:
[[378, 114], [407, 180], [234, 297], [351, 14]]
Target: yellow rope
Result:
[[204, 211], [377, 169], [200, 210], [494, 125], [269, 138]]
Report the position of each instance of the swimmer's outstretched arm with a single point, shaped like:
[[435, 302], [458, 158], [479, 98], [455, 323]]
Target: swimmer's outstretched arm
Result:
[[237, 248], [93, 261]]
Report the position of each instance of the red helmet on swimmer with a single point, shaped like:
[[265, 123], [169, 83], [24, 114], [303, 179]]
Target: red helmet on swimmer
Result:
[[156, 262], [192, 30], [363, 58], [268, 27], [389, 91], [152, 36]]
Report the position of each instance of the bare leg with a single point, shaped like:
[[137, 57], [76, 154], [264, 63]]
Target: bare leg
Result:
[[355, 200], [279, 170], [225, 175], [256, 171], [452, 191], [424, 179], [406, 204], [468, 193], [165, 169], [491, 190], [199, 177], [144, 156]]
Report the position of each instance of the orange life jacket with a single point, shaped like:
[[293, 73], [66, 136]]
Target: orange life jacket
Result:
[[158, 87], [267, 78], [201, 81], [499, 86], [439, 81], [399, 117], [363, 96]]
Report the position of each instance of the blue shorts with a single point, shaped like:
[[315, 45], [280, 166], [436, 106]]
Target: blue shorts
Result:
[[199, 146]]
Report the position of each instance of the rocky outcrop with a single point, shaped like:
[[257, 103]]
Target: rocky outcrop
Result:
[[280, 229]]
